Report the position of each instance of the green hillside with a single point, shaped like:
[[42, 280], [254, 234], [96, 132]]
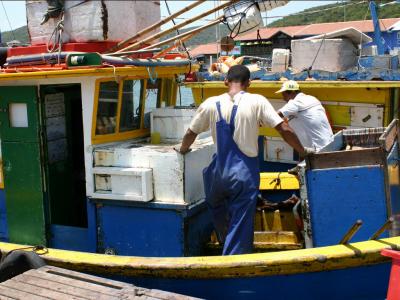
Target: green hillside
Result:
[[341, 13], [326, 13], [20, 34], [206, 36]]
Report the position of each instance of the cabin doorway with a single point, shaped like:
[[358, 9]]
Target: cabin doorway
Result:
[[64, 155], [43, 163]]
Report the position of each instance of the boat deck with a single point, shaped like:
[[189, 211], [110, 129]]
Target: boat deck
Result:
[[55, 283]]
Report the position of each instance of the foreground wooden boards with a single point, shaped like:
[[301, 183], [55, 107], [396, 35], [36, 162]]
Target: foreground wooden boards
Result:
[[55, 283]]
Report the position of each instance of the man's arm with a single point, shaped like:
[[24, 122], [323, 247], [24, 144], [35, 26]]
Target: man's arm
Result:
[[187, 141], [290, 137]]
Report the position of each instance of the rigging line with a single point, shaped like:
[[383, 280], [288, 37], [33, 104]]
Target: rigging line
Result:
[[316, 11], [177, 30], [8, 20], [361, 35]]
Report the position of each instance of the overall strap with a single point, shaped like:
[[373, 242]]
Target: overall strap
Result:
[[219, 111], [233, 116]]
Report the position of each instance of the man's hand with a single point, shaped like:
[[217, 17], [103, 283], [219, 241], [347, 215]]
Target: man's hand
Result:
[[308, 151], [182, 151], [187, 141]]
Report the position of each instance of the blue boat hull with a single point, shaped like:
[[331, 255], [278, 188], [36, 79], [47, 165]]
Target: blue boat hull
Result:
[[366, 283]]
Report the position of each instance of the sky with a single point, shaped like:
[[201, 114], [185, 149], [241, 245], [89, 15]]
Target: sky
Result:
[[17, 15]]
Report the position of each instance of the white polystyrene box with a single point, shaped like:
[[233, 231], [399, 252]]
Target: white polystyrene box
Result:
[[176, 178], [280, 60], [332, 55], [126, 183], [90, 21], [277, 150], [172, 123]]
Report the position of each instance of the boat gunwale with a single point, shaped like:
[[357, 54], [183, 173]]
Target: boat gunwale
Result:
[[304, 84], [217, 267], [96, 71]]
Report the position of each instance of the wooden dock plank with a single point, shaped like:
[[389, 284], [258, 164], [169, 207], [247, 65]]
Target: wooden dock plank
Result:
[[39, 291], [16, 294], [87, 277], [70, 290], [75, 283]]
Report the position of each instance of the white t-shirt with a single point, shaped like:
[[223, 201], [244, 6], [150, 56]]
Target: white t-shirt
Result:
[[308, 119], [253, 110]]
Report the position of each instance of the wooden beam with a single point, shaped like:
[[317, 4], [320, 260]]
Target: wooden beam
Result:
[[155, 26], [174, 28]]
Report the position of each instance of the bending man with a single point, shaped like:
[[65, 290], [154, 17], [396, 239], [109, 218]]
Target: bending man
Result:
[[232, 180], [306, 116]]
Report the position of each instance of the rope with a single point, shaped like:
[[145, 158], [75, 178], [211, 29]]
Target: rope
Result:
[[38, 249], [8, 20], [177, 31], [315, 58], [152, 74], [239, 24], [316, 11], [56, 36], [361, 34]]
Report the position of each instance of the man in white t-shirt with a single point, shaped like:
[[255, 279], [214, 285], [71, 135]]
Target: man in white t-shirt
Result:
[[306, 116], [231, 181]]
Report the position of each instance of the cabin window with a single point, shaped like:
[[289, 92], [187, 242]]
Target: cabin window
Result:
[[130, 107], [18, 114], [123, 108], [107, 108]]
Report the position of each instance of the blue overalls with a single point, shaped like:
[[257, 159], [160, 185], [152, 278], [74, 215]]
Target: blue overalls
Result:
[[231, 184]]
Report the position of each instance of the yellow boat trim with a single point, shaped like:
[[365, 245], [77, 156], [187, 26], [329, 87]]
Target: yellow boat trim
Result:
[[117, 71], [249, 265], [303, 84], [278, 181], [267, 131]]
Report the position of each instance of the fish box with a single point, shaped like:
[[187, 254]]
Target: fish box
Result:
[[176, 178], [171, 123], [332, 55], [92, 21]]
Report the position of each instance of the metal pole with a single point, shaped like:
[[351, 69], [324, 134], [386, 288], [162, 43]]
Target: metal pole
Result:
[[377, 30], [381, 230], [155, 26], [351, 232], [162, 33]]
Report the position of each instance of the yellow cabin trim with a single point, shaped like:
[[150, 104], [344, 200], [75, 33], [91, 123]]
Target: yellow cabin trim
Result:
[[269, 181], [267, 131], [234, 266]]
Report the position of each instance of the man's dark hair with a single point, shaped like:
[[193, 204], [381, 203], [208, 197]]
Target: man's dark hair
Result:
[[238, 73]]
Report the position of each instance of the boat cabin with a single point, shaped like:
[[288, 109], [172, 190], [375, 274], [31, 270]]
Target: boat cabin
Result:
[[77, 150]]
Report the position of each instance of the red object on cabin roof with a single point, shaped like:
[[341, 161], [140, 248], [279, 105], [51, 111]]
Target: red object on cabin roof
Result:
[[394, 281]]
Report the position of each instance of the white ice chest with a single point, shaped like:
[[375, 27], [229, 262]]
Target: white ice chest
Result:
[[152, 172]]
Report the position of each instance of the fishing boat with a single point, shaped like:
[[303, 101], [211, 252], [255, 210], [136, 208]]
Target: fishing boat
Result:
[[91, 181]]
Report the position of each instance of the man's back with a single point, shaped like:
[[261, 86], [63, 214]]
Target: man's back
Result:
[[252, 111], [308, 119]]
